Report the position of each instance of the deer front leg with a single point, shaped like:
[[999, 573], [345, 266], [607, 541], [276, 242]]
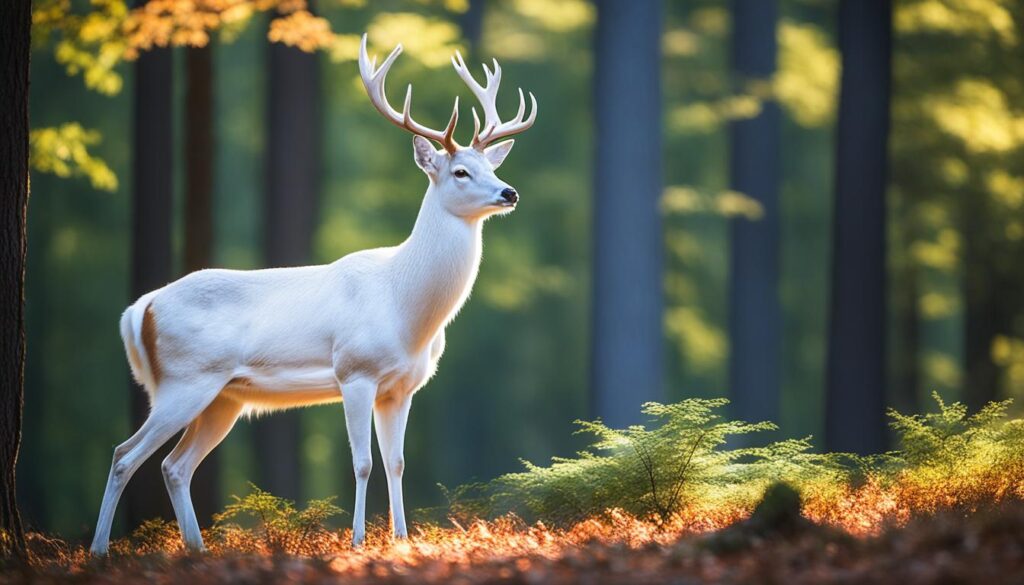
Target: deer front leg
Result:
[[358, 397], [390, 417]]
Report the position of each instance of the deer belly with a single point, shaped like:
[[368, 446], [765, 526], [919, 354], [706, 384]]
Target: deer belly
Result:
[[279, 388]]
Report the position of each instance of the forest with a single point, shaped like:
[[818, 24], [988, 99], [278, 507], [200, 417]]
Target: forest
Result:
[[758, 314]]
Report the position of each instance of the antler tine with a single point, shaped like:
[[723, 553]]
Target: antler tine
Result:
[[491, 74], [522, 106], [449, 132], [373, 80], [484, 95], [496, 75], [493, 127], [516, 125]]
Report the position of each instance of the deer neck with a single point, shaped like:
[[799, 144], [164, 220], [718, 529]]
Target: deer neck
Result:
[[435, 269]]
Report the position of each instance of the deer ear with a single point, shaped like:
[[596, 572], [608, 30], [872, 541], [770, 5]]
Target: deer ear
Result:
[[496, 154], [425, 154]]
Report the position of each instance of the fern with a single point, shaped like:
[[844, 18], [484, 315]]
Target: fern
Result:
[[680, 464], [677, 461], [951, 459], [283, 527]]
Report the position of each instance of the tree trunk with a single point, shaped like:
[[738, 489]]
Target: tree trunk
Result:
[[904, 397], [627, 310], [15, 30], [472, 24], [855, 393], [293, 176], [199, 153], [152, 214], [989, 300], [755, 313]]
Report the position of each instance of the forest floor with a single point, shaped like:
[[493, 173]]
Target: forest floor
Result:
[[985, 547], [946, 508]]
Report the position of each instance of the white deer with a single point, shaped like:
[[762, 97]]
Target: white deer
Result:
[[367, 329]]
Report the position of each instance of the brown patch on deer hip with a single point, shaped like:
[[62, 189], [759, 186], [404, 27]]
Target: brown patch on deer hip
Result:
[[149, 342]]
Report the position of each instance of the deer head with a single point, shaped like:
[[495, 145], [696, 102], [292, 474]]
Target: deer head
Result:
[[462, 175]]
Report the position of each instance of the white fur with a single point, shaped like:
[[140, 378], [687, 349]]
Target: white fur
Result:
[[367, 329]]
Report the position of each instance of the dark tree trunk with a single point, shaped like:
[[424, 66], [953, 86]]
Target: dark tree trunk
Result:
[[904, 293], [904, 396], [15, 30], [990, 303], [855, 393], [293, 176], [755, 313], [472, 24], [199, 163], [626, 355], [981, 325], [152, 214], [199, 159]]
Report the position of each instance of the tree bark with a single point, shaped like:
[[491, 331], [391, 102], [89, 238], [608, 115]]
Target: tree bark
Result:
[[293, 177], [199, 164], [627, 351], [152, 215], [199, 155], [755, 312], [856, 372], [15, 32]]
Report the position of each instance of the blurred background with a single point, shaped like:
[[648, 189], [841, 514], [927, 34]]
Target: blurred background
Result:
[[813, 207]]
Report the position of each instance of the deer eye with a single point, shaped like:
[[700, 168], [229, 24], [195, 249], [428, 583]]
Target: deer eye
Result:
[[461, 173]]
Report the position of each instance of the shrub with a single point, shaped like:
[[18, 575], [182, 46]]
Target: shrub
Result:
[[154, 536], [680, 462], [680, 467], [279, 526], [951, 459]]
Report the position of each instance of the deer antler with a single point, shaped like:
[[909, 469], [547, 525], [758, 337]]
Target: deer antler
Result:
[[494, 128], [373, 81]]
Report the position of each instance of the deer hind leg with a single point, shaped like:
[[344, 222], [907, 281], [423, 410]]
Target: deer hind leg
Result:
[[175, 405], [200, 438]]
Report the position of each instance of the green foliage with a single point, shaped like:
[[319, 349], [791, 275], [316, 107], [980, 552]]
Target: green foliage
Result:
[[282, 526], [951, 436], [87, 43], [680, 462], [684, 464], [64, 151], [949, 458]]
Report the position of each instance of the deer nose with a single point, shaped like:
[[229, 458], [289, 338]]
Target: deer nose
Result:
[[509, 194]]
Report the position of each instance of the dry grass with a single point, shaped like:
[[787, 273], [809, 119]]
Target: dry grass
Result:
[[886, 500], [854, 525], [948, 547]]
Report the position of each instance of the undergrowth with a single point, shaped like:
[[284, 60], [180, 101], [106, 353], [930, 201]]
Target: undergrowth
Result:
[[278, 525], [680, 465], [258, 522], [946, 459], [680, 473]]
